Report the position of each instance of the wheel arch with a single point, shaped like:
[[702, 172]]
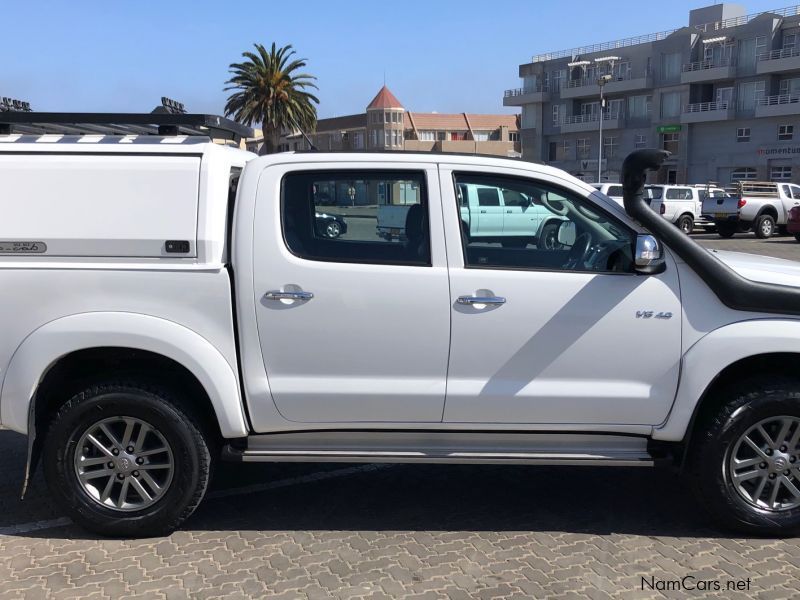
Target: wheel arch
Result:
[[69, 338], [770, 210], [729, 354]]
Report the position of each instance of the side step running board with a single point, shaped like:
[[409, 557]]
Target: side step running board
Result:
[[441, 447]]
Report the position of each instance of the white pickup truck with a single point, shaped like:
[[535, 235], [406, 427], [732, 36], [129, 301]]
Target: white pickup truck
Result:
[[169, 303], [682, 205], [761, 207]]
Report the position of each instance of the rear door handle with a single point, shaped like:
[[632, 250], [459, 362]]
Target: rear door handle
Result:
[[278, 295], [480, 300]]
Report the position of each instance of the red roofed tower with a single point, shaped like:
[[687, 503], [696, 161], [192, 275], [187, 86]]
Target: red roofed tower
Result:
[[385, 122]]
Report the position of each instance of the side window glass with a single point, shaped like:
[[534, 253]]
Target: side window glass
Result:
[[488, 196], [615, 191], [357, 216], [796, 192], [515, 198], [566, 232]]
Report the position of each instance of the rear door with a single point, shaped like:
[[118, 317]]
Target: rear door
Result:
[[353, 328], [520, 216]]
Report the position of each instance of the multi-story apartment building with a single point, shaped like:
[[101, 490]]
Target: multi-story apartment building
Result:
[[387, 125], [722, 94]]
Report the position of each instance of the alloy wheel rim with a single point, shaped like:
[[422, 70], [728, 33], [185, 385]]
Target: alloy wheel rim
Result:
[[333, 229], [124, 463], [764, 464], [766, 228]]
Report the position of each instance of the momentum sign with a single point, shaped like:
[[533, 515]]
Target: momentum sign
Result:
[[779, 151], [668, 128]]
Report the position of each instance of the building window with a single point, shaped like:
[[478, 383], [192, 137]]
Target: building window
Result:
[[743, 134], [670, 104], [610, 146], [640, 141], [790, 41], [558, 78], [556, 115], [457, 136], [481, 136], [564, 149], [789, 86], [427, 136], [584, 147], [743, 174], [749, 51], [785, 132], [373, 138], [749, 94], [513, 136], [671, 142], [671, 66], [780, 174], [358, 140], [640, 107]]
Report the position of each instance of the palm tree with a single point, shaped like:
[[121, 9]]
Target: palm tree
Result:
[[270, 91]]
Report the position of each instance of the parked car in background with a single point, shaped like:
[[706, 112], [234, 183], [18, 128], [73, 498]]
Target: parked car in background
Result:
[[793, 225], [682, 205], [612, 190], [761, 206], [330, 226]]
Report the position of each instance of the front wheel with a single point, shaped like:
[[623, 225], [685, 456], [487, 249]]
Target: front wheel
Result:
[[125, 459], [548, 239], [745, 461], [686, 224]]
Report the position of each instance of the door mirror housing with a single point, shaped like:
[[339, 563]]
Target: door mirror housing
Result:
[[649, 258], [566, 233]]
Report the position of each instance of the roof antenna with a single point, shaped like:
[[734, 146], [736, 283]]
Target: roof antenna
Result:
[[311, 146]]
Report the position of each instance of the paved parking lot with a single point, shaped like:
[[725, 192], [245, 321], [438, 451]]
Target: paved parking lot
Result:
[[372, 531], [784, 246]]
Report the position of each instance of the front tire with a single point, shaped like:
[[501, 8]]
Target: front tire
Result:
[[126, 459], [686, 224], [745, 459]]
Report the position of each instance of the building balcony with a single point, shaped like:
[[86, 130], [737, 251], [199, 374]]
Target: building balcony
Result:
[[585, 87], [579, 123], [778, 61], [520, 96], [778, 106], [708, 70], [703, 112]]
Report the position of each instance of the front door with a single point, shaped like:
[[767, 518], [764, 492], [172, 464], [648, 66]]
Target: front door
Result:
[[569, 335], [353, 317]]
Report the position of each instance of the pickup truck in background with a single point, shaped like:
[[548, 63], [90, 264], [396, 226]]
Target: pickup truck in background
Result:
[[682, 205], [761, 207], [172, 303], [612, 190]]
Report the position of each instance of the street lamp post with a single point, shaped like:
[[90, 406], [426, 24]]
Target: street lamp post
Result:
[[602, 81]]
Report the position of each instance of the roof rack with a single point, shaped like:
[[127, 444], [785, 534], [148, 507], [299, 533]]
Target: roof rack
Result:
[[156, 123]]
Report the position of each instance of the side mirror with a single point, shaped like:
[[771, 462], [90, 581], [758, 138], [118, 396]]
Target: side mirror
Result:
[[566, 233], [649, 257]]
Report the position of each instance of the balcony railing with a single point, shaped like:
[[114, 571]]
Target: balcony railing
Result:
[[526, 90], [700, 107], [788, 11], [592, 117], [778, 54], [780, 99], [583, 81], [703, 65]]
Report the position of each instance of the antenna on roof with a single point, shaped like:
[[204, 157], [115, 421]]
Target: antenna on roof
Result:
[[303, 133]]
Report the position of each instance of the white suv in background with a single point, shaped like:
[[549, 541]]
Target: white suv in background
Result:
[[612, 190], [682, 205]]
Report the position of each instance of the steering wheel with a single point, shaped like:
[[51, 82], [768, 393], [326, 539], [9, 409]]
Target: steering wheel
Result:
[[578, 251]]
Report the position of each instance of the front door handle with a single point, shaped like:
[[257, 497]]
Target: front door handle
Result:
[[278, 295], [480, 300]]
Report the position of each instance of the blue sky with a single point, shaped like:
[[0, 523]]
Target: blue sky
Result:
[[443, 55]]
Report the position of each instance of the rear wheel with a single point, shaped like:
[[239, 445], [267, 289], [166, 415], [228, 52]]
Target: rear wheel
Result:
[[765, 227], [124, 458], [745, 462], [686, 224], [548, 239], [727, 230]]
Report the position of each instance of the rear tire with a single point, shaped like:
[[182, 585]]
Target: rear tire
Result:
[[105, 504], [727, 230], [765, 227], [734, 478]]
